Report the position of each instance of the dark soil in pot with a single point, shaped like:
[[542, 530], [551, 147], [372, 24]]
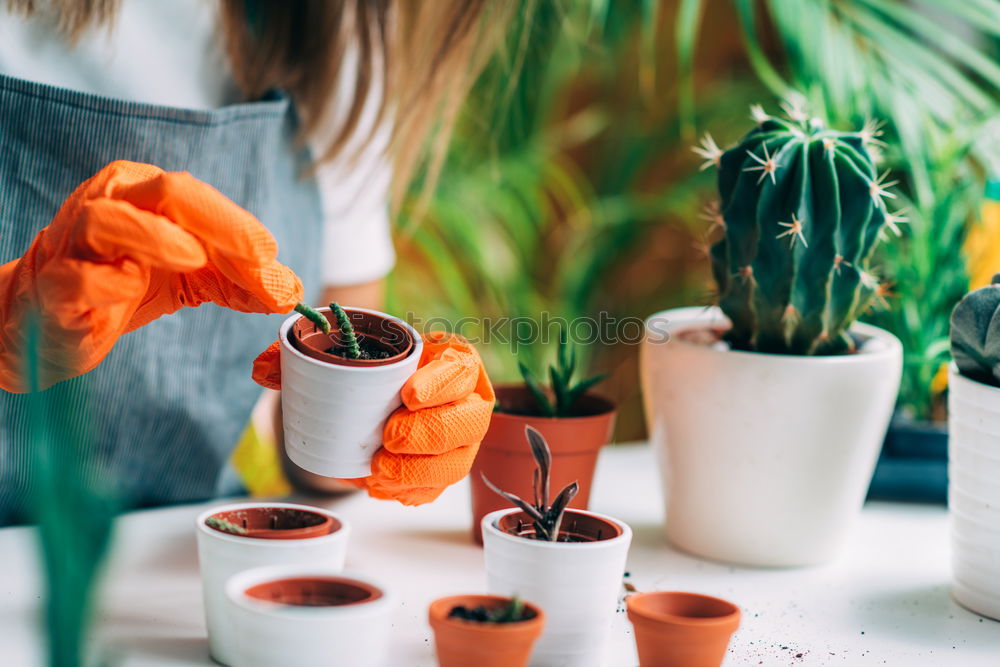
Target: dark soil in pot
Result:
[[278, 523], [505, 457], [382, 340], [576, 527], [315, 592]]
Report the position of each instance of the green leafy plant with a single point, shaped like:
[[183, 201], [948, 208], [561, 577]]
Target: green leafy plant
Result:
[[313, 316], [801, 212], [225, 526], [511, 611], [975, 334], [564, 391], [546, 519], [350, 341]]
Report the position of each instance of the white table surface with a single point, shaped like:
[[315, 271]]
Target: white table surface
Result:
[[885, 602]]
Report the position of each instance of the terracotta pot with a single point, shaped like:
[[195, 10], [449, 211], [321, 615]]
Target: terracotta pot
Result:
[[505, 457], [460, 643], [308, 616], [576, 583], [315, 591], [681, 629], [372, 330], [278, 523]]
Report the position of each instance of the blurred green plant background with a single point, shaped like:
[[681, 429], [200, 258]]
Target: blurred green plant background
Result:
[[570, 187]]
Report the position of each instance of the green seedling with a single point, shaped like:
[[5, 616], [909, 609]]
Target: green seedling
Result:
[[510, 612], [564, 391]]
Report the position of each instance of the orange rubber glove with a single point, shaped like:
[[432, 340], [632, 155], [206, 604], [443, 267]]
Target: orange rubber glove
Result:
[[130, 244], [429, 443]]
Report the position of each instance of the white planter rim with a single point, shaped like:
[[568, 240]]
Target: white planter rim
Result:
[[418, 342], [956, 378], [490, 526], [238, 584], [259, 543], [694, 317]]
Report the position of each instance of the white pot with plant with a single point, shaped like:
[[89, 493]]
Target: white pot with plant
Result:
[[568, 562], [237, 537], [768, 411], [974, 450], [308, 616]]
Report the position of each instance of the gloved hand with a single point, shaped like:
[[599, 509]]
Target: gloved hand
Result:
[[130, 244], [430, 442]]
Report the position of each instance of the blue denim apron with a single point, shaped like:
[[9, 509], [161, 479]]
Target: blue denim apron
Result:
[[166, 407]]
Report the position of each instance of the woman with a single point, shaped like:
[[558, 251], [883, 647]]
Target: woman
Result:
[[241, 95]]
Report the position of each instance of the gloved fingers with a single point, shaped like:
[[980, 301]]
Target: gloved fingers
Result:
[[271, 289], [413, 479], [449, 377], [110, 230], [267, 367], [439, 429]]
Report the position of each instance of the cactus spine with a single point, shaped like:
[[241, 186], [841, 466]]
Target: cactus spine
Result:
[[975, 334], [802, 208], [349, 339]]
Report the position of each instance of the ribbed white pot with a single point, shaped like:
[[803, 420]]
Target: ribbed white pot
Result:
[[333, 415], [274, 635], [221, 555], [765, 458], [576, 585], [974, 493]]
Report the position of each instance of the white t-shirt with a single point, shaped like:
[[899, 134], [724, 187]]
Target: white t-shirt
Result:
[[169, 53]]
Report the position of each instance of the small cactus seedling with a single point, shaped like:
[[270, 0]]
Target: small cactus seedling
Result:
[[511, 612], [565, 392], [314, 316], [546, 518], [350, 341], [802, 208], [225, 526], [975, 334]]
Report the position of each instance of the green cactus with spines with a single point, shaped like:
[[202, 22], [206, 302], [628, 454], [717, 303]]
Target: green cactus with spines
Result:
[[352, 350], [314, 316], [975, 334], [802, 208]]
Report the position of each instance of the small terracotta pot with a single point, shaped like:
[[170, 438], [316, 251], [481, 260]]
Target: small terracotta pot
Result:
[[315, 592], [675, 629], [460, 643], [505, 457], [371, 329], [278, 523]]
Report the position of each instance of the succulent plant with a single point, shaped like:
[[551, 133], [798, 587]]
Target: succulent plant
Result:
[[546, 518], [224, 526], [350, 341], [512, 611], [314, 316], [564, 391], [975, 334], [802, 208]]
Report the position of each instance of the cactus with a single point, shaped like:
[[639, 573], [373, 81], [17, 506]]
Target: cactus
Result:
[[975, 334], [314, 316], [802, 208], [565, 391], [225, 526], [351, 348], [512, 611]]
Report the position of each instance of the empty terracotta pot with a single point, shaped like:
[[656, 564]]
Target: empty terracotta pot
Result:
[[505, 457], [461, 643], [315, 591], [674, 629], [278, 523]]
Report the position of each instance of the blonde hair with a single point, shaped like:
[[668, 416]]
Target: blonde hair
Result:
[[426, 53]]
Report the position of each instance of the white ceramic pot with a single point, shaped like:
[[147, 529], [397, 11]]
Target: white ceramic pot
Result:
[[576, 585], [765, 458], [974, 493], [273, 634], [333, 415], [221, 555]]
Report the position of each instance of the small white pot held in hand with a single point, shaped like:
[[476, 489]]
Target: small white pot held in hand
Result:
[[765, 458], [221, 555], [272, 634], [575, 583], [974, 493], [333, 415]]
